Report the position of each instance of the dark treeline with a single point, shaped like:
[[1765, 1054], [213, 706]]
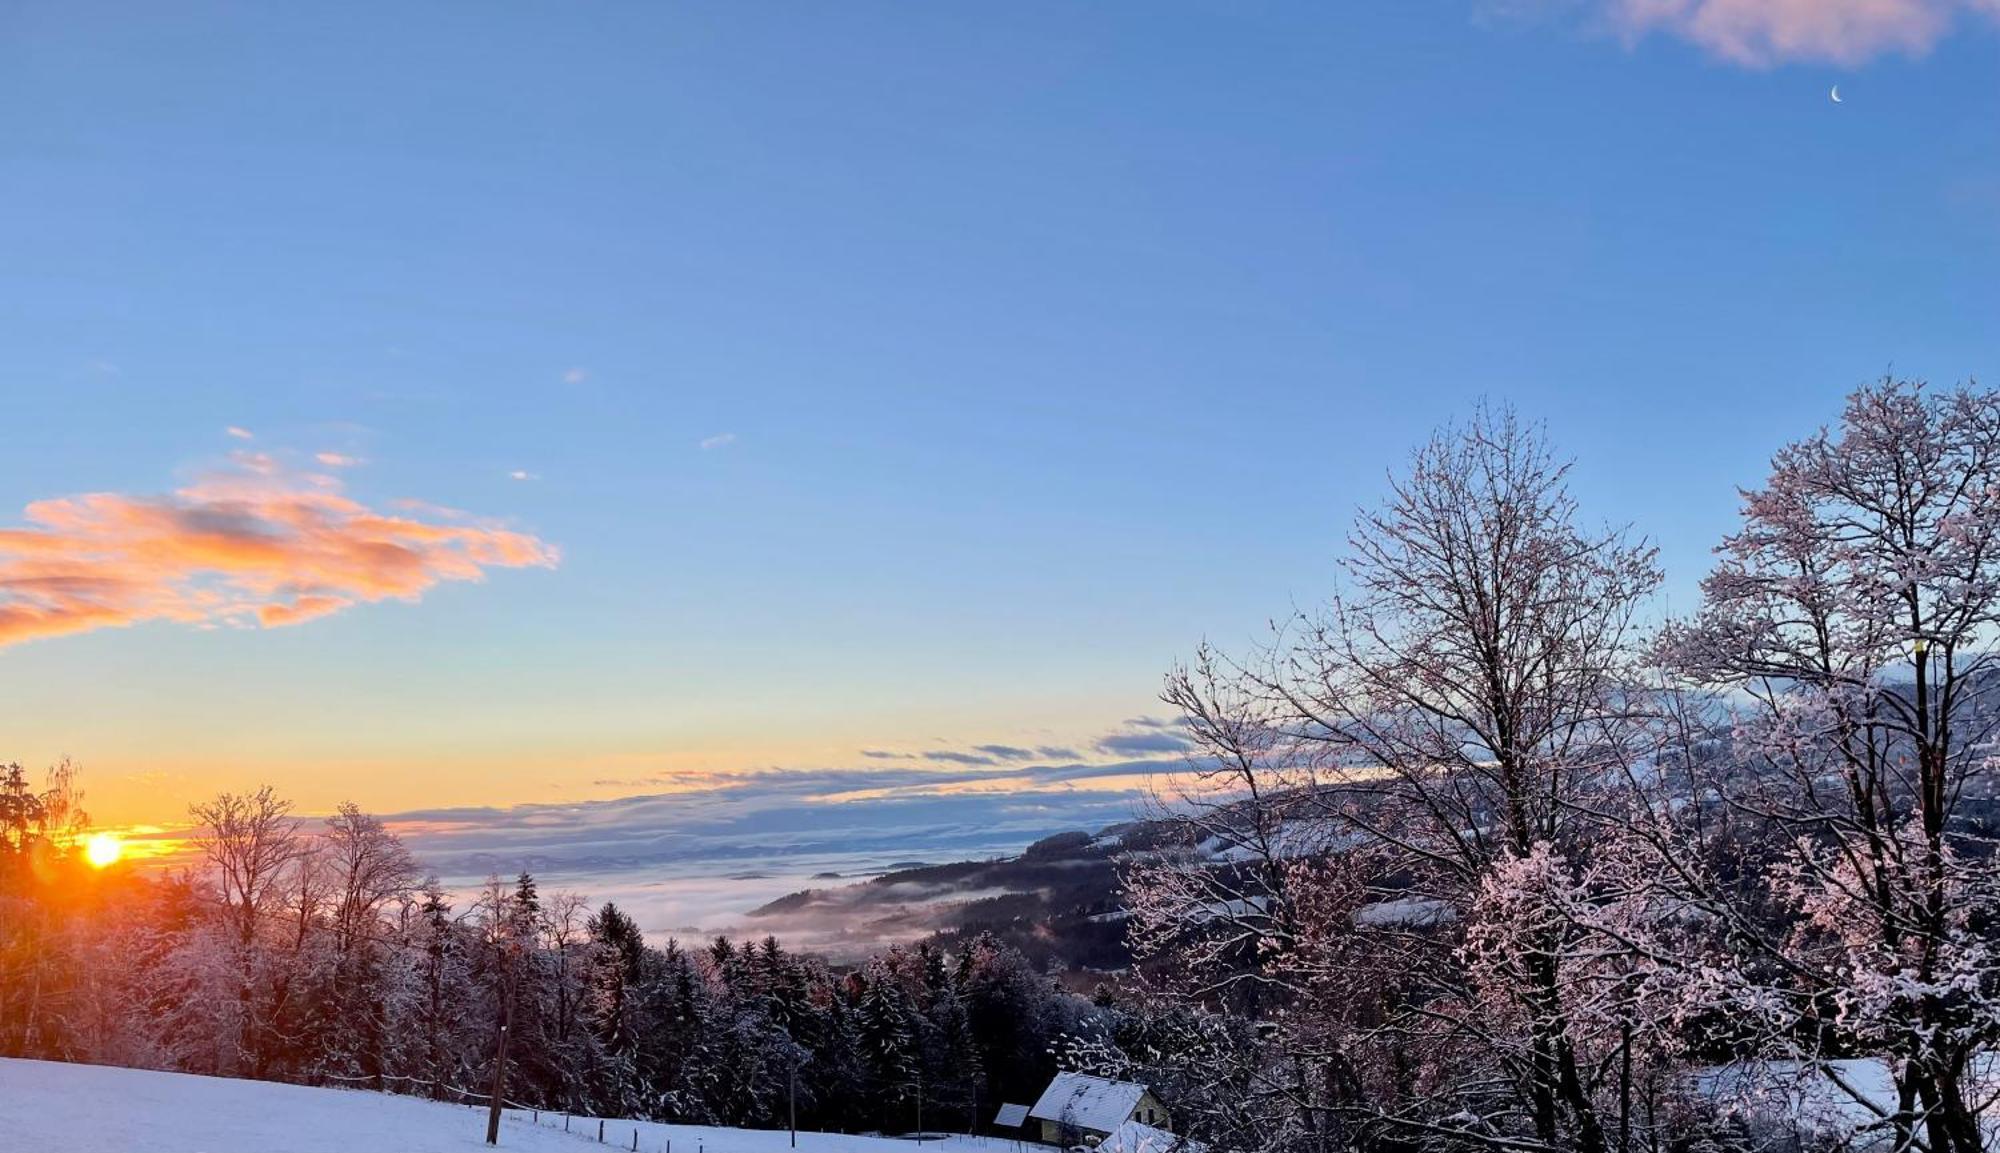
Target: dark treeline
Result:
[[320, 953]]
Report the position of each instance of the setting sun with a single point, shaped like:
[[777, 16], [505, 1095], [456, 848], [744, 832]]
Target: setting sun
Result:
[[103, 850]]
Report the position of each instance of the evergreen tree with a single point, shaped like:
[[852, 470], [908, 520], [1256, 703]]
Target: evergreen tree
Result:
[[951, 1051], [887, 1029], [616, 989], [442, 978]]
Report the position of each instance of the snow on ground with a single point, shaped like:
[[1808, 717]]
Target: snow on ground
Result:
[[1848, 1097], [1841, 1097], [49, 1107], [709, 1139], [1299, 837]]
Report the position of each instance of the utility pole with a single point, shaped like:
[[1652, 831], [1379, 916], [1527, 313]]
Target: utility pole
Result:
[[500, 1057], [499, 1087]]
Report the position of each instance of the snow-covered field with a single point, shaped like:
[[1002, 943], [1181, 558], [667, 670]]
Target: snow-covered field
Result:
[[48, 1107]]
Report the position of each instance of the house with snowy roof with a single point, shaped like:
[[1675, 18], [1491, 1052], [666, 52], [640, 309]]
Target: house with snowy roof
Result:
[[1079, 1108]]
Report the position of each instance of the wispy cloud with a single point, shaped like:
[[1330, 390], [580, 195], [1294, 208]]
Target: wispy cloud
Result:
[[240, 433], [524, 474], [260, 463], [575, 376], [1139, 744], [1019, 753], [1763, 33], [1146, 736], [1137, 736], [719, 440], [337, 459], [247, 544]]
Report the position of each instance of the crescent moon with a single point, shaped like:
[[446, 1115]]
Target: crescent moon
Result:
[[1835, 94]]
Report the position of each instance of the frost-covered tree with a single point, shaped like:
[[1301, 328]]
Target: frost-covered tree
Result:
[[248, 841], [364, 868], [954, 1075], [249, 844], [1216, 895], [439, 1011], [887, 1026], [39, 832], [614, 1006], [1462, 700], [1851, 621]]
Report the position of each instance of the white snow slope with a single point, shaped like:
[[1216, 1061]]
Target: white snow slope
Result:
[[50, 1107]]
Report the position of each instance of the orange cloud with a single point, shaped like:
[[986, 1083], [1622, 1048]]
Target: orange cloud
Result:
[[1760, 33], [252, 544]]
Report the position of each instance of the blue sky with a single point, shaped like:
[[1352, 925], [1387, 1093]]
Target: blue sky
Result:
[[1031, 342]]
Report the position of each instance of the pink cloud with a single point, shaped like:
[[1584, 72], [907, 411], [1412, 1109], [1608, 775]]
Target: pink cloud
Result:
[[251, 544], [1760, 33], [336, 459]]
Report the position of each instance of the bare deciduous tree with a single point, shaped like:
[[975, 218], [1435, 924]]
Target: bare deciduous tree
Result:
[[370, 868], [248, 843], [1852, 618], [1473, 678], [1456, 711]]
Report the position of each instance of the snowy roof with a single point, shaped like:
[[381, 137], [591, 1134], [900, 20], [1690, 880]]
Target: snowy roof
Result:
[[1418, 911], [1132, 1137], [1011, 1116], [1096, 1103]]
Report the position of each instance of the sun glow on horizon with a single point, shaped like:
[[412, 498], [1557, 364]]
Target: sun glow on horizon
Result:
[[103, 850]]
